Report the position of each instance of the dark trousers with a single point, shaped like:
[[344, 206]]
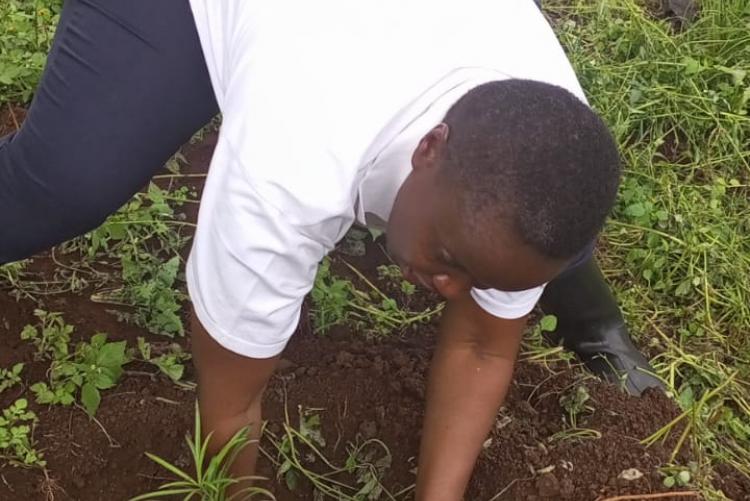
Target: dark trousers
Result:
[[125, 85]]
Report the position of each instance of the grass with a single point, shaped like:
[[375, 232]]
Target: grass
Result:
[[677, 248], [211, 479]]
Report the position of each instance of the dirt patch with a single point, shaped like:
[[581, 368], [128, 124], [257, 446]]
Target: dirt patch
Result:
[[360, 385], [11, 118], [678, 13], [361, 389], [732, 483]]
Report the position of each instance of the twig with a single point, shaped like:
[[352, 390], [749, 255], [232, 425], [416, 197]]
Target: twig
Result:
[[660, 495], [151, 375], [511, 484], [166, 401], [13, 117], [170, 176]]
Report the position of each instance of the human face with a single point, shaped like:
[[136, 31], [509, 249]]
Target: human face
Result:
[[435, 249]]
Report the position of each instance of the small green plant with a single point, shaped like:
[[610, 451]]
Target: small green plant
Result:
[[11, 274], [149, 288], [378, 314], [299, 457], [170, 362], [209, 482], [10, 377], [676, 477], [392, 273], [331, 297], [574, 403], [16, 429], [368, 463], [94, 366], [337, 301], [51, 337], [536, 346], [143, 241], [309, 433]]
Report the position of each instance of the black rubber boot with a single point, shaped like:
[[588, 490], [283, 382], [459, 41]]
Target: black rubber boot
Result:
[[590, 324]]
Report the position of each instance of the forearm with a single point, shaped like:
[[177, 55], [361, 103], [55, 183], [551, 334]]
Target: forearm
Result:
[[468, 382]]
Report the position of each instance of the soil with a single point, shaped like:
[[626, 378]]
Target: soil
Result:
[[361, 388], [10, 118]]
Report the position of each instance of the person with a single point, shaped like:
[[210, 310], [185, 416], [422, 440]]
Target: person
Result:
[[460, 128]]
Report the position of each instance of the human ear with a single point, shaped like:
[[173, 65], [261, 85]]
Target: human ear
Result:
[[431, 146]]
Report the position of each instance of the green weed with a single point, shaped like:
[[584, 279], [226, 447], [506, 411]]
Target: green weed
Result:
[[536, 348], [143, 239], [26, 30], [170, 363], [10, 377], [16, 429], [149, 288], [209, 482], [574, 403], [337, 301], [331, 297], [94, 366], [676, 477], [299, 457], [11, 274], [51, 338]]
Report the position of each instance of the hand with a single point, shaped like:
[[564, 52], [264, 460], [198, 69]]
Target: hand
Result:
[[471, 371]]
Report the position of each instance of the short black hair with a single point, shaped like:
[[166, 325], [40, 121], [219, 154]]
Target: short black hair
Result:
[[534, 154]]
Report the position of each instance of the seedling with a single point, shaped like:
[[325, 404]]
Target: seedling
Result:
[[574, 403], [10, 377], [331, 297], [170, 363], [676, 477], [149, 288], [94, 366], [51, 338], [16, 429], [392, 273]]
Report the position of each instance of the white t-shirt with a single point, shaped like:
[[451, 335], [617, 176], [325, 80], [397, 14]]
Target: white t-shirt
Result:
[[323, 104]]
